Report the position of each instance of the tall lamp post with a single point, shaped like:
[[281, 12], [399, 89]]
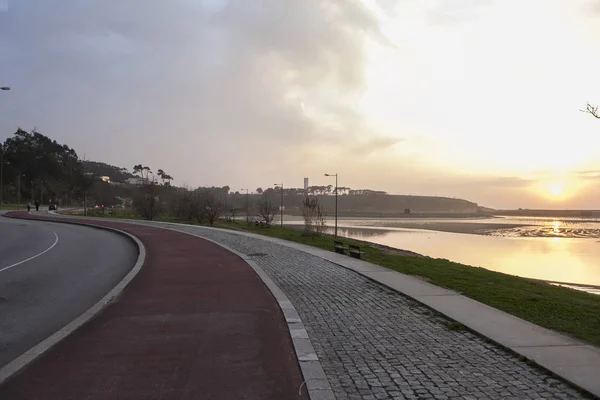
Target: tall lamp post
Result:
[[281, 206], [336, 201], [1, 174], [2, 163], [247, 206]]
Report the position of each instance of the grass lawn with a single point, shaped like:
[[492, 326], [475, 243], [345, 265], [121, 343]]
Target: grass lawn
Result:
[[561, 309], [13, 207]]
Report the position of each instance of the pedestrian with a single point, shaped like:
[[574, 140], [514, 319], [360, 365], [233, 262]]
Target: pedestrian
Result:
[[37, 205], [28, 206]]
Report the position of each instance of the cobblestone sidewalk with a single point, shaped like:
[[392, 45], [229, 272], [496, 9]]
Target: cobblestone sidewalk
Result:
[[374, 343]]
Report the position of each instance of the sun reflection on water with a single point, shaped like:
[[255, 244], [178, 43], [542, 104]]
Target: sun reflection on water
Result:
[[556, 227]]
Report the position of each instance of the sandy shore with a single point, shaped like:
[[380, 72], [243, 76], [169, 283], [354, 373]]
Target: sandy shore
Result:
[[456, 227], [453, 227], [366, 229]]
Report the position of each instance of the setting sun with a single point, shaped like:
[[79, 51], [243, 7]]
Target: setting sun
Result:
[[559, 188], [556, 189]]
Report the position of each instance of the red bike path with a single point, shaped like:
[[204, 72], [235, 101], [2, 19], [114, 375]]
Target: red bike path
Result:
[[195, 323]]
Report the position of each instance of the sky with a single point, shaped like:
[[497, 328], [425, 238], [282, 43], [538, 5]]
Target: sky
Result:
[[476, 99]]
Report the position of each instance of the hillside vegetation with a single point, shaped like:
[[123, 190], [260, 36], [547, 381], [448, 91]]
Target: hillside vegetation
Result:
[[37, 167]]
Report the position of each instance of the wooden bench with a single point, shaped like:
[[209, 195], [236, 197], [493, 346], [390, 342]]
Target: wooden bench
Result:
[[354, 251], [339, 247]]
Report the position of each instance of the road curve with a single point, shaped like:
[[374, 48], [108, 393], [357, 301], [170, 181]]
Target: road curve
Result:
[[52, 273]]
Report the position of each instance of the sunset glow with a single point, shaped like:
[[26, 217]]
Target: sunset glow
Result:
[[410, 97], [556, 189]]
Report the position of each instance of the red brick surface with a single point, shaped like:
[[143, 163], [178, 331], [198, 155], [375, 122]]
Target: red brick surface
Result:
[[195, 323]]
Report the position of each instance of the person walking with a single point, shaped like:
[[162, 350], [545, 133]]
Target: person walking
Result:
[[37, 205], [28, 206]]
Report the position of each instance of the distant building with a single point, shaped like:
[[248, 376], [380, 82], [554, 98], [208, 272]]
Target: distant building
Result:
[[135, 181]]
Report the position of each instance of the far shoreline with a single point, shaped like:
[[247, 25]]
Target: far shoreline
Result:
[[473, 228]]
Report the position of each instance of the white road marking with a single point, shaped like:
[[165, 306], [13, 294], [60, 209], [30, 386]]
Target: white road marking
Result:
[[36, 256]]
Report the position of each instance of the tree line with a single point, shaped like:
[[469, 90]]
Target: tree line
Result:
[[36, 167]]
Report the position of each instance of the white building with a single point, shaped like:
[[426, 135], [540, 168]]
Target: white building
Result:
[[135, 181]]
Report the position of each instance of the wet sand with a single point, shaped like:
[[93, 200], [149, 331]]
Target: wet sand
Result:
[[457, 227], [542, 229], [452, 227], [504, 230]]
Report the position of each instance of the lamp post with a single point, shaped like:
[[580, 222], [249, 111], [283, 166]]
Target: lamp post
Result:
[[19, 190], [2, 163], [336, 201], [1, 173], [281, 206], [247, 206]]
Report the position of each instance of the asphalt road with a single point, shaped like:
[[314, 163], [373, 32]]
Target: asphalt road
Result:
[[50, 274]]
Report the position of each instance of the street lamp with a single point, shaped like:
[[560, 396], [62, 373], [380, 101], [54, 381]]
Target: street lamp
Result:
[[336, 201], [247, 206], [1, 173], [281, 207], [2, 162]]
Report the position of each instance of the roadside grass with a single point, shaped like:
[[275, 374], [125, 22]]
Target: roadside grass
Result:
[[561, 309], [13, 207]]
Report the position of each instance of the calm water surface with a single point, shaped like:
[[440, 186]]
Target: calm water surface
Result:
[[558, 250]]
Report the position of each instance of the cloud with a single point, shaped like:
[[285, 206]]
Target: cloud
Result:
[[593, 6], [176, 84], [374, 145], [451, 12], [586, 174]]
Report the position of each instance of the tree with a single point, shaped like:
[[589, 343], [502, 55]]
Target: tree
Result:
[[147, 200], [211, 204], [593, 110], [143, 172], [232, 213], [315, 216], [267, 209], [84, 182], [259, 190], [164, 177], [185, 204], [117, 174], [44, 163]]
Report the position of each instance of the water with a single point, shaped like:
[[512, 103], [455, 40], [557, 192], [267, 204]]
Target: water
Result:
[[556, 250]]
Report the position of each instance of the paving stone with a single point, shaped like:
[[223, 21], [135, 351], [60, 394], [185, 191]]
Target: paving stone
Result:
[[368, 337]]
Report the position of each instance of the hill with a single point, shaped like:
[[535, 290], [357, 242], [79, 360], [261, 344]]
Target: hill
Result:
[[365, 203], [116, 174]]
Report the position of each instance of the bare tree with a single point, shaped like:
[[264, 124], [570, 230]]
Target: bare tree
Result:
[[185, 204], [315, 216], [211, 205], [593, 110], [232, 213], [147, 200], [266, 209], [84, 182]]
